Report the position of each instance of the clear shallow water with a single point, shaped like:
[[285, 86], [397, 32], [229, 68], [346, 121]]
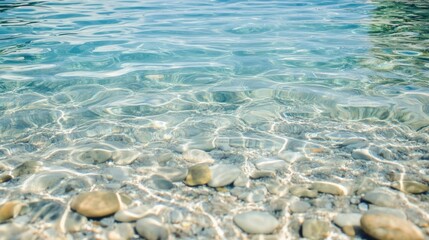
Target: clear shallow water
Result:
[[322, 81]]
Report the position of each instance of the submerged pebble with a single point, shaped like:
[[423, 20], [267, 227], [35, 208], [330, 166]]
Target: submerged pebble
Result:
[[9, 210], [26, 168], [198, 175], [328, 187], [381, 198], [197, 156], [151, 228], [96, 204], [386, 226], [256, 222], [131, 214], [315, 229], [412, 187], [223, 175], [347, 219]]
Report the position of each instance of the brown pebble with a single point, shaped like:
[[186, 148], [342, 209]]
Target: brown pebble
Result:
[[349, 230], [96, 204], [9, 210]]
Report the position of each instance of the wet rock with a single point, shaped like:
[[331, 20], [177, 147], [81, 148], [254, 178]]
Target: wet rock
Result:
[[349, 230], [198, 175], [412, 187], [9, 210], [121, 231], [262, 174], [381, 226], [174, 174], [314, 229], [151, 228], [331, 188], [5, 178], [223, 175], [299, 207], [197, 156], [132, 214], [95, 156], [347, 219], [302, 191], [96, 204], [381, 198], [270, 164], [160, 182], [256, 222], [26, 168]]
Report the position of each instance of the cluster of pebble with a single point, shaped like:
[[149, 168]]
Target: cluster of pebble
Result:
[[292, 208]]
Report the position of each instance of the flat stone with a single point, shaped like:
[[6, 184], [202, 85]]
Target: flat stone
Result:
[[380, 198], [299, 207], [347, 219], [26, 168], [223, 175], [9, 210], [151, 228], [270, 164], [314, 229], [132, 214], [302, 191], [386, 226], [197, 156], [198, 175], [412, 187], [241, 181], [174, 174], [96, 204], [329, 187], [256, 222]]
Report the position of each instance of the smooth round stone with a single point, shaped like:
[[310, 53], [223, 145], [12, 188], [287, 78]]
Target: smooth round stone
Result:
[[412, 187], [151, 228], [381, 198], [95, 156], [96, 204], [26, 168], [388, 227], [299, 207], [223, 175], [174, 174], [315, 229], [300, 191], [131, 214], [331, 188], [256, 222], [270, 164], [347, 219], [197, 156], [198, 175], [9, 210]]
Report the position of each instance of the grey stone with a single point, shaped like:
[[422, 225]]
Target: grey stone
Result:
[[151, 228], [381, 198], [262, 174], [241, 181], [256, 222], [299, 207], [270, 164], [95, 156], [26, 168], [223, 175], [197, 156], [302, 191], [160, 182]]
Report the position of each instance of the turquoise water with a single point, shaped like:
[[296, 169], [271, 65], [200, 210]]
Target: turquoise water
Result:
[[333, 84]]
